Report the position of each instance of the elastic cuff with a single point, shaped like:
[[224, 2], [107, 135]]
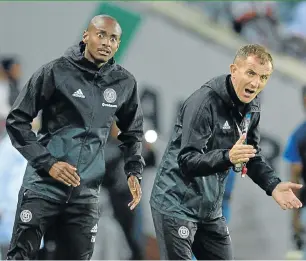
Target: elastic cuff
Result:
[[133, 167], [226, 159], [48, 165], [138, 176], [272, 186]]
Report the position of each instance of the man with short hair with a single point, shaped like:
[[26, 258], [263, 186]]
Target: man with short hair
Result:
[[217, 129], [295, 155], [80, 95]]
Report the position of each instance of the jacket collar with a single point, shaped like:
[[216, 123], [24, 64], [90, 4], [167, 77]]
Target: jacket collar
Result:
[[218, 85]]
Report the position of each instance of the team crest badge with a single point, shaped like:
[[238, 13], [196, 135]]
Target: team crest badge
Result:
[[110, 95], [183, 232], [26, 216]]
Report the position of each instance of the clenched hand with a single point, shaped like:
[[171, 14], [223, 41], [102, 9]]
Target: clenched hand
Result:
[[240, 152], [65, 173], [135, 191]]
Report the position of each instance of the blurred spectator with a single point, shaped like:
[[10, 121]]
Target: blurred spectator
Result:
[[10, 73], [295, 154], [279, 25], [296, 25], [12, 69], [295, 32], [12, 167], [4, 97], [257, 22]]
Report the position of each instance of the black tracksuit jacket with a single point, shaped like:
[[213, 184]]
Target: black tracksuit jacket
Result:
[[191, 178], [79, 102]]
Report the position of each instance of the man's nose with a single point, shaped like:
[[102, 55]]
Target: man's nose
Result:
[[255, 82], [106, 41]]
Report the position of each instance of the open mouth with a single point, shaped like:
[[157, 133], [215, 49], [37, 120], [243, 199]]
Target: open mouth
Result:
[[104, 52], [248, 91]]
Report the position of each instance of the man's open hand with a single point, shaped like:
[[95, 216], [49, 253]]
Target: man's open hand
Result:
[[135, 191], [65, 173], [284, 196]]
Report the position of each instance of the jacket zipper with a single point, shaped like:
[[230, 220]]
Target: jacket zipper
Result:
[[212, 208], [70, 193], [220, 187], [69, 196], [93, 110], [218, 177]]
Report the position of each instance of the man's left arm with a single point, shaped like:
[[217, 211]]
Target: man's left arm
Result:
[[258, 169], [130, 123], [263, 175]]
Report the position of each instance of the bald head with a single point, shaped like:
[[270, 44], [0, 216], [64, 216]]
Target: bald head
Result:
[[100, 21], [102, 39]]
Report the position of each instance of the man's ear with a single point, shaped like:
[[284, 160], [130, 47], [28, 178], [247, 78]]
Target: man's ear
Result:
[[118, 45], [85, 37], [233, 68]]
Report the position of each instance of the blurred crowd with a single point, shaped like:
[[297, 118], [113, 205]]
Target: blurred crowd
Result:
[[279, 25]]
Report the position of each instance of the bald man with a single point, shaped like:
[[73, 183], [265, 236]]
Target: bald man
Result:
[[80, 95]]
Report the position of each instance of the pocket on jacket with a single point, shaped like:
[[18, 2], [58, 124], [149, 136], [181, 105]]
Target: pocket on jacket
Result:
[[192, 197]]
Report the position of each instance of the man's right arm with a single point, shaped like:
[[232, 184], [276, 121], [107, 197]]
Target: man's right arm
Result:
[[32, 98], [196, 132]]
